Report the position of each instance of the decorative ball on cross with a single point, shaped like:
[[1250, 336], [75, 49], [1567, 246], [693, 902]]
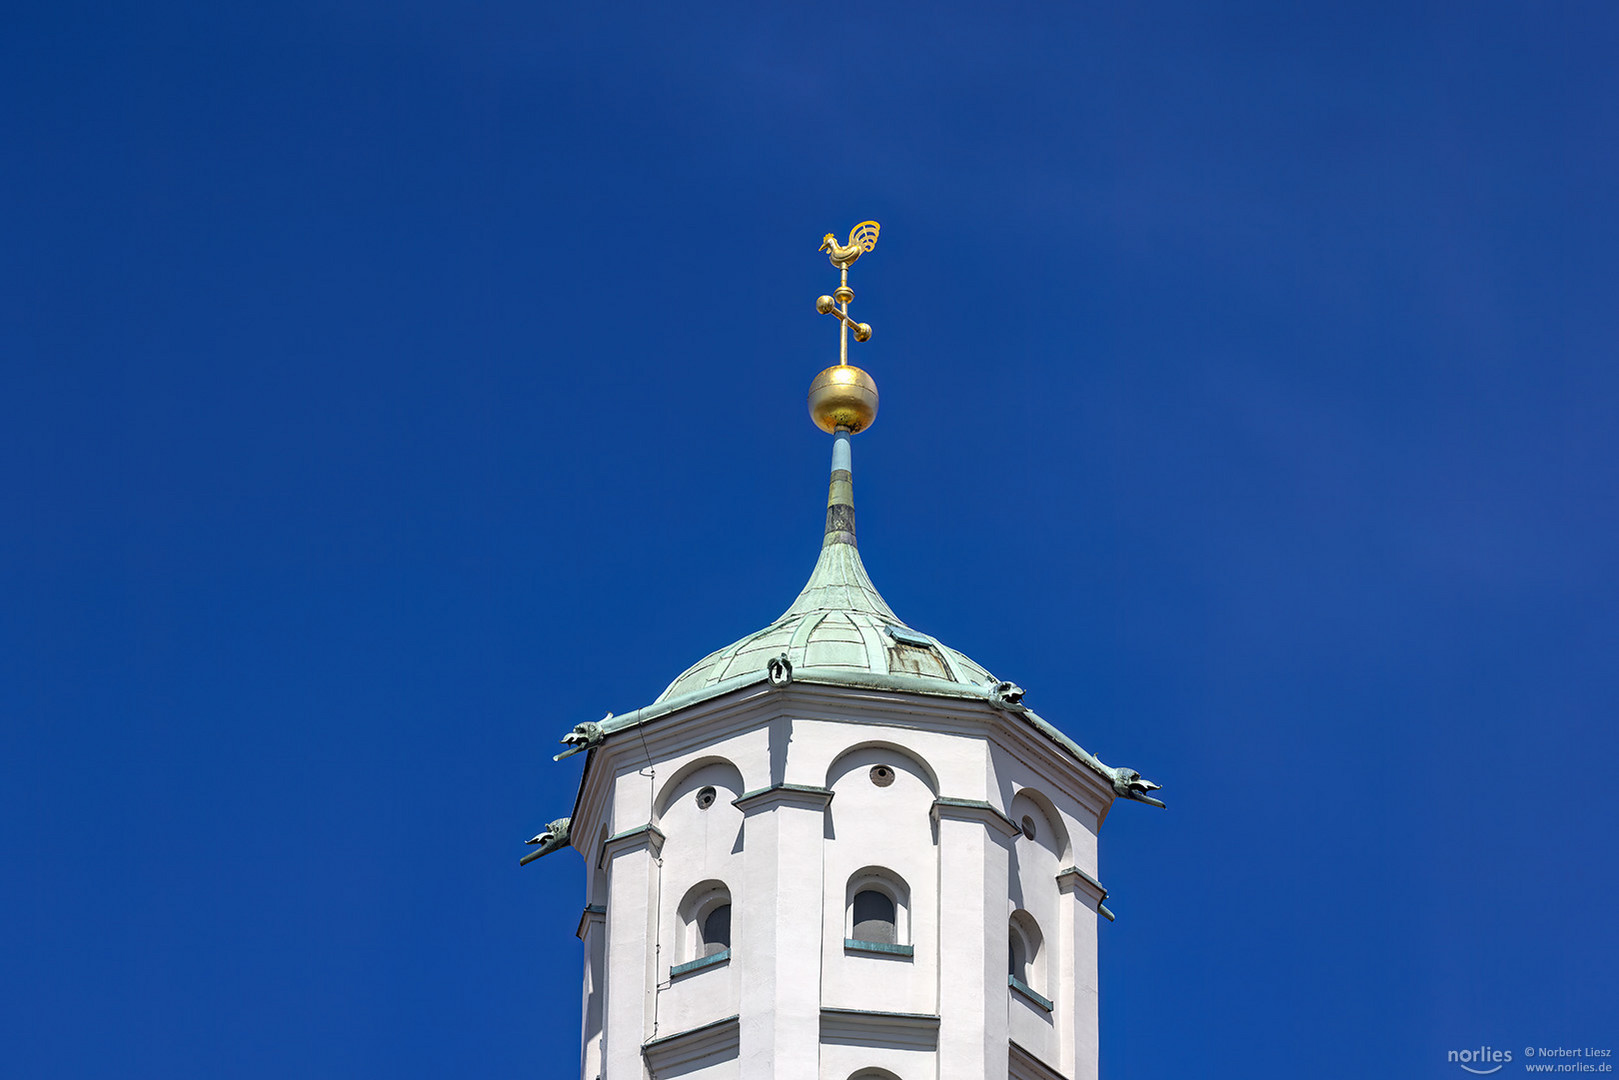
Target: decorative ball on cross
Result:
[[843, 396]]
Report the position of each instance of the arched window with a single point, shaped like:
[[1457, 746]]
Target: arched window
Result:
[[1025, 962], [705, 925], [878, 916]]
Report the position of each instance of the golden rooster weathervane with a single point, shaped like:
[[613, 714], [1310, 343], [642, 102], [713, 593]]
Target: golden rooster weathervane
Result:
[[843, 396], [862, 238]]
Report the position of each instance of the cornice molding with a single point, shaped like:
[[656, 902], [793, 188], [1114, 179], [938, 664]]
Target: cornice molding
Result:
[[642, 836], [945, 808], [800, 795], [593, 915], [1025, 1066], [964, 712], [941, 691], [1075, 880], [867, 1027], [717, 1040]]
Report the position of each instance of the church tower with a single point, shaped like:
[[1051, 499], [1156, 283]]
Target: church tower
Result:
[[838, 849]]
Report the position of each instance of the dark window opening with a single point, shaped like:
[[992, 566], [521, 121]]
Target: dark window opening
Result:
[[874, 918], [716, 931]]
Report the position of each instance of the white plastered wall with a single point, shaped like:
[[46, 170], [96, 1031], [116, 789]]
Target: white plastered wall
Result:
[[700, 846], [1035, 863], [831, 739], [1067, 1039], [886, 829]]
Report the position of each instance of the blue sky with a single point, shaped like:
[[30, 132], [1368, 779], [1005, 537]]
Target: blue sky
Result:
[[389, 387]]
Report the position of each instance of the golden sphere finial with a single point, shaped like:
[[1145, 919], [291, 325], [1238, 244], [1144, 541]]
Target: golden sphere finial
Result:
[[843, 396]]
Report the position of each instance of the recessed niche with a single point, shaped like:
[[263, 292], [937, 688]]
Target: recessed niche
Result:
[[706, 797], [882, 775]]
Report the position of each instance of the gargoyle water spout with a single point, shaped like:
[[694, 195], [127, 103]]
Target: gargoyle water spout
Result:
[[1129, 785], [553, 838]]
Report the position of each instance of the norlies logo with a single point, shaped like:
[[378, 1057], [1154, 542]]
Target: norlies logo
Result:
[[1489, 1059]]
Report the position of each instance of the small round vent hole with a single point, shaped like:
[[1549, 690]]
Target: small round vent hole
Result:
[[705, 798], [882, 775], [1028, 827]]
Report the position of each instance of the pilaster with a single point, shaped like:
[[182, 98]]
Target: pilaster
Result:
[[630, 954], [974, 866], [593, 934], [776, 945], [1077, 1017]]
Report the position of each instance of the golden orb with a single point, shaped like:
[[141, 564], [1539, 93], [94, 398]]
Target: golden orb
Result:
[[862, 332], [843, 396], [823, 304]]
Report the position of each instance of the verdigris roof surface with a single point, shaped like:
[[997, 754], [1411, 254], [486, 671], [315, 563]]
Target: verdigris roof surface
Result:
[[839, 622]]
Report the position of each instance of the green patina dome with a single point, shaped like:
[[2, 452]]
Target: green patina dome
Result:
[[839, 621]]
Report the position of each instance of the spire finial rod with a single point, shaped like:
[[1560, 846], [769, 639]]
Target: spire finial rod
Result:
[[843, 396], [846, 294], [862, 238]]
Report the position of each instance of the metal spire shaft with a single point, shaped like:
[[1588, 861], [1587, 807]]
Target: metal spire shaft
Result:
[[840, 494]]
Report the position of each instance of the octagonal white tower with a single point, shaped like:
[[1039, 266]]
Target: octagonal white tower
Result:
[[838, 849]]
